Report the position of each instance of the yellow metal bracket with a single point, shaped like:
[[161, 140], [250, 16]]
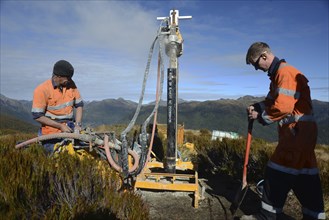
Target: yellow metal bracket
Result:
[[180, 181]]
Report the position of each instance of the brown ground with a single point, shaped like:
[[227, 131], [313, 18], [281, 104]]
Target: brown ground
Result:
[[219, 192]]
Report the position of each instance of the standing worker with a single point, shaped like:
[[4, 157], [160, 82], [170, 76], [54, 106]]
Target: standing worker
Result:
[[53, 103], [293, 164]]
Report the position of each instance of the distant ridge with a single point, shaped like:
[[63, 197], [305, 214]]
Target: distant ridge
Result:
[[222, 114], [12, 125]]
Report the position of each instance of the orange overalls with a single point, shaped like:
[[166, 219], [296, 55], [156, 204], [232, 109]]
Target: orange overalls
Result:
[[55, 103], [293, 164]]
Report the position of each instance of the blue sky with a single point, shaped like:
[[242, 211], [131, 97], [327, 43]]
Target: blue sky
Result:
[[108, 43]]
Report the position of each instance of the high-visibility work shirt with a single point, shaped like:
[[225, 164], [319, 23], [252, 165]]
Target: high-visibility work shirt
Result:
[[55, 103], [289, 103], [293, 164]]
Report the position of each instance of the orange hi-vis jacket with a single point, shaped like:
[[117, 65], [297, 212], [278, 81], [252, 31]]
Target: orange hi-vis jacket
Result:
[[289, 103], [55, 103]]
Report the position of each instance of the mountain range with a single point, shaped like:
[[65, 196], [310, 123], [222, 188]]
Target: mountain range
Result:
[[223, 114]]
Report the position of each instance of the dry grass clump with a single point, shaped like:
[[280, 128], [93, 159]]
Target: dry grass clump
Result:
[[35, 186], [227, 157]]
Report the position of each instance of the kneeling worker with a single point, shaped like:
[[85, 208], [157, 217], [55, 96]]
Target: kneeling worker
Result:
[[53, 103]]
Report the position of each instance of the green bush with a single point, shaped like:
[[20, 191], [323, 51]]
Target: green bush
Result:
[[34, 186], [227, 156]]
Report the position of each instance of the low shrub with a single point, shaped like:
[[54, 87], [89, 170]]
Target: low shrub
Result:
[[227, 157], [35, 186]]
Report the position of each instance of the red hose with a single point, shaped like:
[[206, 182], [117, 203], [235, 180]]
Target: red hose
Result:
[[155, 115], [113, 163]]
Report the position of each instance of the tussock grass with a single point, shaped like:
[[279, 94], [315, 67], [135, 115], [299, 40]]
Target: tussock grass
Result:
[[35, 186], [227, 157]]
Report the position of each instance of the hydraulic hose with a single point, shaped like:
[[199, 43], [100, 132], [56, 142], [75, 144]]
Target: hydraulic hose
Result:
[[159, 91], [160, 78], [113, 163], [145, 155], [87, 138], [81, 137]]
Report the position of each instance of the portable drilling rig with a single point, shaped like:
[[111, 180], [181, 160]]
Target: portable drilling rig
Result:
[[132, 158]]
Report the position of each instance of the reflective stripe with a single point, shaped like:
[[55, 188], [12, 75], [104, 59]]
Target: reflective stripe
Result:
[[295, 118], [267, 118], [292, 171], [37, 110], [52, 116], [316, 215], [288, 92], [64, 105], [270, 208]]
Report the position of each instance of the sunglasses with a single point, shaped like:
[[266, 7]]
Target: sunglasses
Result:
[[256, 64]]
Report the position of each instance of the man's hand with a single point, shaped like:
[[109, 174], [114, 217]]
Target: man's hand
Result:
[[252, 114], [77, 129], [49, 122], [65, 128]]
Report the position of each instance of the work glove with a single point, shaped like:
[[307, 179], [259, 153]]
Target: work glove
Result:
[[255, 112]]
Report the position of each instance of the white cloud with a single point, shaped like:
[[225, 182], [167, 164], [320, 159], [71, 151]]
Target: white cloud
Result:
[[108, 43]]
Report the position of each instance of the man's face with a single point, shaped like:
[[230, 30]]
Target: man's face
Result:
[[260, 64], [62, 81]]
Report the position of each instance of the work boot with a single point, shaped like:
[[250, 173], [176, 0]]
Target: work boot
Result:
[[248, 217]]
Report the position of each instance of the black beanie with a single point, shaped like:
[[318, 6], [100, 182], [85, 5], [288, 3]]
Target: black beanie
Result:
[[63, 68]]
